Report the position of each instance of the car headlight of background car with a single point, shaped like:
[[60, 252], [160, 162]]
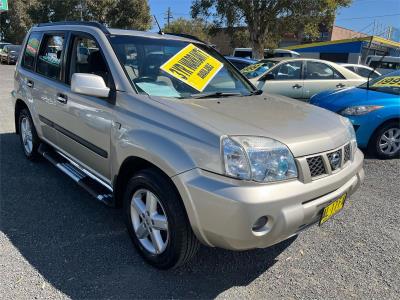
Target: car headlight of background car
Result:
[[257, 158], [359, 110]]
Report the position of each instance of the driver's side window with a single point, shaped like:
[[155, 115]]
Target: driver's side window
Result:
[[86, 57], [288, 71]]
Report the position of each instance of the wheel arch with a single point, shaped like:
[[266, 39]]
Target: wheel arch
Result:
[[384, 123], [19, 105], [128, 168]]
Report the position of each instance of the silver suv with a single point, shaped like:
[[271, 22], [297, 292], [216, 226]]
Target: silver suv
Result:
[[166, 128]]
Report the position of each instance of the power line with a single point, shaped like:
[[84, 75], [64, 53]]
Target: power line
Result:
[[370, 17]]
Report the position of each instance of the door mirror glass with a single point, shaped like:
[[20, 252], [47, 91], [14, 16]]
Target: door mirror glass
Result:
[[269, 76], [89, 84]]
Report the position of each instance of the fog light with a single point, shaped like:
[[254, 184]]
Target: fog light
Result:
[[260, 223]]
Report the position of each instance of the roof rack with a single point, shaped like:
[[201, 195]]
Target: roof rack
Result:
[[189, 36], [82, 23]]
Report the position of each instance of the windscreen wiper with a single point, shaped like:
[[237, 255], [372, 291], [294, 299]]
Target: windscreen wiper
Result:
[[214, 95]]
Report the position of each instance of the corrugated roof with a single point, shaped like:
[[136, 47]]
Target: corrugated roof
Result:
[[376, 39]]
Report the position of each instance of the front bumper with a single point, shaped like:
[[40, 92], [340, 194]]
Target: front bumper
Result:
[[222, 210]]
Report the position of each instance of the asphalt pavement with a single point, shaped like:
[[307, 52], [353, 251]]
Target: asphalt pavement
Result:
[[56, 241]]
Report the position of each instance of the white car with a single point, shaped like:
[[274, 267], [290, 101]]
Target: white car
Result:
[[361, 70], [268, 53], [303, 78]]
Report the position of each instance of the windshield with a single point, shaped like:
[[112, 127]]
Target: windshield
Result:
[[171, 68], [13, 48], [258, 69], [388, 83]]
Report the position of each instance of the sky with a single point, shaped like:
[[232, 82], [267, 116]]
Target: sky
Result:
[[359, 16]]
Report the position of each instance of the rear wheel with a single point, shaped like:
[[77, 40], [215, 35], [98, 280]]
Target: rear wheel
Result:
[[385, 142], [29, 139], [157, 221]]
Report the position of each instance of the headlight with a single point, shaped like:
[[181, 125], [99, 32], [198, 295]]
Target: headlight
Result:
[[352, 134], [257, 158], [359, 110]]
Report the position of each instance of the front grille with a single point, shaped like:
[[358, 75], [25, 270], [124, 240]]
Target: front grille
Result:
[[316, 166], [347, 153], [335, 159]]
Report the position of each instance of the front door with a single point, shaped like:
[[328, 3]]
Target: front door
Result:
[[86, 120], [286, 80]]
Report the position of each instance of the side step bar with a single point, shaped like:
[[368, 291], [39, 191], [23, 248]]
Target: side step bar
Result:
[[94, 187]]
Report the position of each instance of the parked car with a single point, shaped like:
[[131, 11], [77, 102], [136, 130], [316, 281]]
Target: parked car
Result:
[[374, 110], [383, 65], [260, 67], [239, 62], [9, 54], [268, 53], [303, 78], [182, 142], [2, 44], [362, 70]]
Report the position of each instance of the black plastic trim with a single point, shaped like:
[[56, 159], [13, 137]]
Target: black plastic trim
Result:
[[74, 137]]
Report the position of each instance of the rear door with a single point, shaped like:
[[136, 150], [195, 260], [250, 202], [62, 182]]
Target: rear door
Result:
[[319, 76], [286, 80], [47, 81]]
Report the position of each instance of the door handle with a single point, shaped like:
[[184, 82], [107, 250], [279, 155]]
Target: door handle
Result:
[[297, 86], [340, 85], [62, 98], [30, 83]]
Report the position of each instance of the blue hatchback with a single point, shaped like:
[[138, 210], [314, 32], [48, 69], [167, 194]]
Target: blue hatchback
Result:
[[374, 110]]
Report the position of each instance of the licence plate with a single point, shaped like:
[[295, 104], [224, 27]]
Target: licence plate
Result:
[[332, 209]]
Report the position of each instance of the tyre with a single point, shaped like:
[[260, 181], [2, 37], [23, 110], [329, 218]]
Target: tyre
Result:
[[385, 142], [29, 139], [157, 222]]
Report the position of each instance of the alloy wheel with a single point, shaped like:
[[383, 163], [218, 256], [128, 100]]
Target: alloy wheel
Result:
[[26, 133], [149, 221], [389, 142]]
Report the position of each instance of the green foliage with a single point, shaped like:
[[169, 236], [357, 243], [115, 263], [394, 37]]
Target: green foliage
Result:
[[195, 27], [268, 20], [22, 14]]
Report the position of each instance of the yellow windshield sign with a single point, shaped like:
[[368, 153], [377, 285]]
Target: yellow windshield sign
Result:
[[252, 68], [193, 66], [388, 81]]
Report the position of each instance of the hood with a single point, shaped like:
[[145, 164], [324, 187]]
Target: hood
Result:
[[340, 99], [304, 128]]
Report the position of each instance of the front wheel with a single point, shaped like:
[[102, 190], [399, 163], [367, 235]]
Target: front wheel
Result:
[[157, 221], [385, 142]]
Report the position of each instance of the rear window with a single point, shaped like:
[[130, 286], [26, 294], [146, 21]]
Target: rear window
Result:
[[31, 49]]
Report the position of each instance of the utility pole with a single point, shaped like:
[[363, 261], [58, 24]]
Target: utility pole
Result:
[[168, 16]]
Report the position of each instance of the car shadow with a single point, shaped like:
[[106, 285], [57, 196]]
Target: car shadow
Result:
[[81, 247]]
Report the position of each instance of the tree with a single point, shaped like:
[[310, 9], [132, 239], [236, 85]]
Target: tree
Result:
[[195, 27], [268, 20], [16, 22]]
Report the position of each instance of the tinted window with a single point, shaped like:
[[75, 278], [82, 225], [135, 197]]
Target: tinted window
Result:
[[288, 71], [385, 65], [243, 53], [351, 68], [87, 58], [364, 72], [388, 83], [320, 71], [49, 59], [31, 49]]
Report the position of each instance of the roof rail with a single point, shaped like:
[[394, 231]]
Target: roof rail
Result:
[[189, 36], [82, 23]]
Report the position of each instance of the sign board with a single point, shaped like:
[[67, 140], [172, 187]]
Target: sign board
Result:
[[3, 5], [193, 66], [388, 81]]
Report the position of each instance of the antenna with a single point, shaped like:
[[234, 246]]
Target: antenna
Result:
[[159, 27]]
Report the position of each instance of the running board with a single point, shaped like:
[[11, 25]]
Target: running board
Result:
[[94, 187]]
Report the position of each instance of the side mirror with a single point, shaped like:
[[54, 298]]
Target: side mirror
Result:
[[89, 84], [268, 76]]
